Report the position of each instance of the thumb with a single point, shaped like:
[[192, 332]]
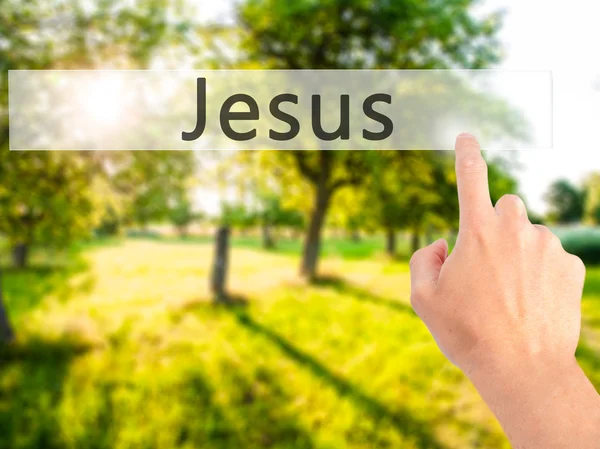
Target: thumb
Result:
[[426, 263]]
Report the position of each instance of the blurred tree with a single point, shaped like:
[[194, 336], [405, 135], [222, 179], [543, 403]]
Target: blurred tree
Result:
[[566, 202], [416, 191], [408, 195], [273, 215], [48, 34], [45, 197], [269, 216], [181, 214], [500, 178], [348, 212], [152, 183], [266, 186], [110, 223], [535, 218], [592, 198], [6, 331], [354, 34], [237, 215], [291, 219], [407, 191]]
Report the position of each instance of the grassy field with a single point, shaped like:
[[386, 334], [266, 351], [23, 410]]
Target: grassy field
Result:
[[119, 347]]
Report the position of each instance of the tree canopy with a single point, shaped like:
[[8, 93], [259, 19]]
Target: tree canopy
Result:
[[354, 34], [566, 202]]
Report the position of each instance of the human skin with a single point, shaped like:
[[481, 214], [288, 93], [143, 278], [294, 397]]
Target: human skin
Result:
[[505, 307]]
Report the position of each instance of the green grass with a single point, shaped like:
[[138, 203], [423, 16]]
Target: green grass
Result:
[[120, 347], [366, 247]]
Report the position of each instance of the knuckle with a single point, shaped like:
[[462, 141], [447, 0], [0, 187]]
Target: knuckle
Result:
[[418, 255], [472, 164], [547, 237], [510, 201], [477, 229], [415, 257], [477, 232], [419, 294], [576, 265]]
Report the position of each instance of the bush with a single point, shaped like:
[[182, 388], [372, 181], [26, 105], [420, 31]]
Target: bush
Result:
[[583, 242]]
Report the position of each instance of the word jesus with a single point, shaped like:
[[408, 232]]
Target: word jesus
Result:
[[227, 116]]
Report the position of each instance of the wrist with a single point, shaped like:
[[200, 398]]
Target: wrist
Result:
[[504, 358], [538, 397], [518, 366]]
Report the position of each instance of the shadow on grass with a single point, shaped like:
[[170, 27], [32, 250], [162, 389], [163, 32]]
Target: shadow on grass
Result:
[[344, 287], [257, 413], [214, 430], [31, 383], [231, 299], [25, 288], [400, 419]]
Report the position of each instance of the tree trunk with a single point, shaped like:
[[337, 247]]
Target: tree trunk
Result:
[[6, 333], [19, 255], [220, 264], [268, 241], [415, 241], [390, 246], [429, 235], [182, 231], [355, 235], [312, 244]]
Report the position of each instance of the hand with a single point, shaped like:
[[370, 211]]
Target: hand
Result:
[[507, 288], [505, 308]]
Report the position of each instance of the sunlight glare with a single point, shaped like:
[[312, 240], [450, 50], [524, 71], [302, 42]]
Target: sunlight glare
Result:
[[103, 102]]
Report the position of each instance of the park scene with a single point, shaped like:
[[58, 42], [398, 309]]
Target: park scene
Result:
[[244, 299]]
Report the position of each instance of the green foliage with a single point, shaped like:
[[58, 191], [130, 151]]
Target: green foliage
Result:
[[153, 182], [268, 187], [416, 190], [49, 198], [237, 215], [272, 212], [45, 197], [110, 223], [353, 34], [536, 218], [181, 213], [410, 190], [582, 242], [566, 202], [500, 179], [348, 212], [356, 34]]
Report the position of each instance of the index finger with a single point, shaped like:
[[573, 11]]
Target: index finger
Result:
[[471, 179]]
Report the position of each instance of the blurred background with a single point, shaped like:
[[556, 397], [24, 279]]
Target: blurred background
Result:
[[261, 299]]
